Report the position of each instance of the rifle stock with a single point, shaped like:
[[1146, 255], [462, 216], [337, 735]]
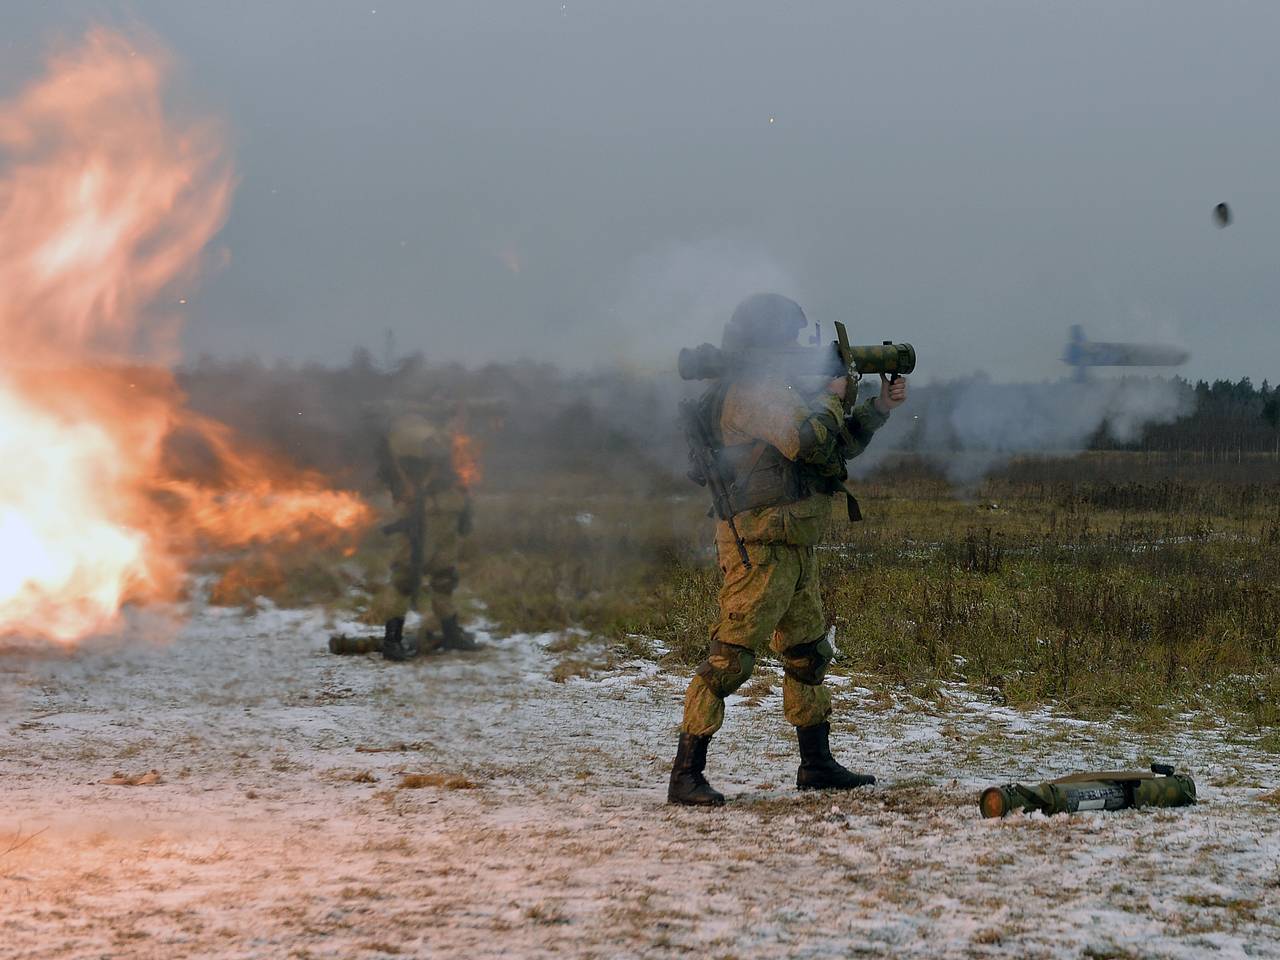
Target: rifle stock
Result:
[[707, 472]]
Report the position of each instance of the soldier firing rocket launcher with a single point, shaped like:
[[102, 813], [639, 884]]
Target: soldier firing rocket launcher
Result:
[[708, 362], [796, 365], [1103, 790]]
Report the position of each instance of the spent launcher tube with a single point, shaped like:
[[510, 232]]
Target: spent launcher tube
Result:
[[1101, 790], [344, 645]]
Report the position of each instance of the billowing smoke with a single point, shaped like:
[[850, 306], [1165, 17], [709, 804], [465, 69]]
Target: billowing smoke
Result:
[[681, 295], [970, 427]]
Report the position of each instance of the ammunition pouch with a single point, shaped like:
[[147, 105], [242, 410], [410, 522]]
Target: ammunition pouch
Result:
[[756, 475], [762, 477], [818, 482], [735, 667], [752, 474], [807, 662]]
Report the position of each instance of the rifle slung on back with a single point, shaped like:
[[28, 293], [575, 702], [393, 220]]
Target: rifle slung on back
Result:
[[706, 471]]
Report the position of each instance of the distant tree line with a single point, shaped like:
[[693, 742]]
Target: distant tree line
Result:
[[1227, 417]]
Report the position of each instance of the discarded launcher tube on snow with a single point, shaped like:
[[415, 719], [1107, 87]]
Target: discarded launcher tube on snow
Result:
[[1099, 790]]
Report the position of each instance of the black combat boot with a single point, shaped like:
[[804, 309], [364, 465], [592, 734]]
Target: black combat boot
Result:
[[818, 769], [393, 645], [454, 637], [688, 786]]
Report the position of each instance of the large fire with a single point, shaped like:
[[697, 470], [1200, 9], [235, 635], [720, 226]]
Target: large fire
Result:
[[106, 203]]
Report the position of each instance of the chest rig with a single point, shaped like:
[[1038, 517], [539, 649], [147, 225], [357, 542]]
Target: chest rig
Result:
[[756, 474]]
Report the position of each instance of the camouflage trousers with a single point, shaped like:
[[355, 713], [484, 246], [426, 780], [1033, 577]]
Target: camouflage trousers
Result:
[[775, 603], [439, 579]]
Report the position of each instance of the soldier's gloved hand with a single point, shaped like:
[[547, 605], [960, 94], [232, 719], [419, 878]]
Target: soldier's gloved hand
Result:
[[891, 394]]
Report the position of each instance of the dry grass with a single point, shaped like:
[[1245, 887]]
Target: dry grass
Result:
[[446, 781], [570, 667], [1110, 582]]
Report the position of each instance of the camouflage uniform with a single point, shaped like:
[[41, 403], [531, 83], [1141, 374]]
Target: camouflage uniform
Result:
[[785, 452], [776, 602], [417, 465]]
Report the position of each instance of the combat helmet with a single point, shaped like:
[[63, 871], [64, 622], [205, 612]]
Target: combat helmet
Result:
[[763, 320]]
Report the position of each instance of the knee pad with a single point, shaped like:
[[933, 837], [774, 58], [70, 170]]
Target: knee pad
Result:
[[807, 662], [726, 667], [445, 581]]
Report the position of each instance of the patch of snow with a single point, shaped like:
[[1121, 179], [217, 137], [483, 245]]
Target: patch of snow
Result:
[[282, 825]]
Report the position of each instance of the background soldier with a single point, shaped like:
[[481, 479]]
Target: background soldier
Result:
[[786, 454], [417, 466]]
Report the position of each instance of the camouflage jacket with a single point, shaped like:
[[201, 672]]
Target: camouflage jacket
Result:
[[815, 434]]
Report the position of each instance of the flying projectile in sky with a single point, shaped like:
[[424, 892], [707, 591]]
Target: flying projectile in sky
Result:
[[1082, 353]]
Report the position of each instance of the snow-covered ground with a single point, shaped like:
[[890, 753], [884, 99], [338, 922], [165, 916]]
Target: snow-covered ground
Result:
[[469, 805]]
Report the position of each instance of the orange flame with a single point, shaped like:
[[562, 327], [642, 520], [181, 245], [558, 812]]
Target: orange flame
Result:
[[466, 463], [105, 204]]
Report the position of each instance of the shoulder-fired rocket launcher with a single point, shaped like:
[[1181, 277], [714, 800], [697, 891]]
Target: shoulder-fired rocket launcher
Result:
[[839, 358], [796, 365]]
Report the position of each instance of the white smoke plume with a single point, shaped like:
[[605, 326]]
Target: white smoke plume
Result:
[[682, 295], [969, 428]]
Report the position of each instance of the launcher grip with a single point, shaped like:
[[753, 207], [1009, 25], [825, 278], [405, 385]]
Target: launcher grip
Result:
[[893, 377]]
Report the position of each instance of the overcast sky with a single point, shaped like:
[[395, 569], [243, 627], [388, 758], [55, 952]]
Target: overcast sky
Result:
[[603, 180]]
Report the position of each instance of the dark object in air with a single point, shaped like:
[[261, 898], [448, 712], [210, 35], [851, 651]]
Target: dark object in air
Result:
[[1081, 353], [818, 769], [393, 643], [1222, 215], [341, 644], [688, 787], [1101, 790]]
